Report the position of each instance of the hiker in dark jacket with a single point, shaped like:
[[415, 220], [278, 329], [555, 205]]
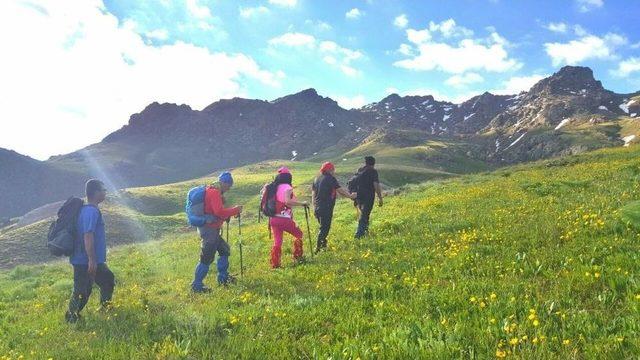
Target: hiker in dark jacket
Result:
[[368, 188], [324, 192], [89, 259], [211, 236]]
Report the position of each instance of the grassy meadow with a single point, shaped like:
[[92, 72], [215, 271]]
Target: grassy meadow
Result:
[[535, 261]]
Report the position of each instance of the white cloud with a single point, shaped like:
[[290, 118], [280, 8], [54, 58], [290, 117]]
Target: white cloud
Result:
[[448, 28], [584, 48], [159, 34], [558, 27], [405, 49], [518, 84], [401, 21], [285, 3], [354, 102], [331, 53], [464, 79], [489, 54], [293, 39], [588, 5], [75, 68], [353, 13], [418, 36], [627, 67], [319, 25], [251, 12], [197, 10]]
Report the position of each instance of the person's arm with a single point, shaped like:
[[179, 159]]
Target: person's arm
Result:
[[89, 222], [91, 254], [215, 205], [378, 188], [345, 193], [290, 200]]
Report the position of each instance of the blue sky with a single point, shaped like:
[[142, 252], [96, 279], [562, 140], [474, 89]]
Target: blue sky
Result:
[[90, 64]]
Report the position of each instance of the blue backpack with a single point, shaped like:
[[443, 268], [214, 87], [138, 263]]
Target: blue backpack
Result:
[[195, 207]]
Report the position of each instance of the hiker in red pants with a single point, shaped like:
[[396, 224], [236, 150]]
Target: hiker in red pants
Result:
[[282, 221]]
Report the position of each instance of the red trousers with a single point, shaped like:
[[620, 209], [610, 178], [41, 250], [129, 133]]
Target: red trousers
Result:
[[280, 225]]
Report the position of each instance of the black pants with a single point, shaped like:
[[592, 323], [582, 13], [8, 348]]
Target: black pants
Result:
[[324, 217], [212, 242], [365, 207], [83, 285]]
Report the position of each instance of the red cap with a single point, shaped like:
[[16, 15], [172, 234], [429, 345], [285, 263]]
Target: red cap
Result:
[[327, 167], [284, 170]]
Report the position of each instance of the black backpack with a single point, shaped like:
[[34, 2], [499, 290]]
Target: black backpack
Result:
[[353, 185], [268, 203], [62, 231]]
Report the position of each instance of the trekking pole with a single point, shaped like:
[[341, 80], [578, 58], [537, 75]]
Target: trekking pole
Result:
[[228, 220], [306, 216], [240, 245]]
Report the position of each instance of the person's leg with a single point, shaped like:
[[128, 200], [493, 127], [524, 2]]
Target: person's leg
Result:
[[276, 250], [207, 254], [224, 250], [290, 227], [363, 223], [106, 281], [82, 284], [324, 218]]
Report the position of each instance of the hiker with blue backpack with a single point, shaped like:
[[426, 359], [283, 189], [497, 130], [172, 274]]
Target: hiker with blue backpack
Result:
[[89, 256], [205, 210]]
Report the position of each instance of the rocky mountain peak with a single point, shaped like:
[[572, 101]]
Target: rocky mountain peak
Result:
[[569, 80]]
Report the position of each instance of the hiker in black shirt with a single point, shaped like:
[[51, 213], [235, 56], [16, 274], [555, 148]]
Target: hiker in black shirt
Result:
[[368, 188], [324, 191]]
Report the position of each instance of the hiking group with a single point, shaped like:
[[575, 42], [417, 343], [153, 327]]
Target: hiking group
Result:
[[79, 231]]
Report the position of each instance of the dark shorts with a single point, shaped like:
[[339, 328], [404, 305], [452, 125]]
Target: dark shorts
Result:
[[212, 243]]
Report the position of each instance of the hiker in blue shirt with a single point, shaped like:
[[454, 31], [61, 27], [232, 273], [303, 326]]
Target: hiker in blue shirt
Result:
[[89, 258]]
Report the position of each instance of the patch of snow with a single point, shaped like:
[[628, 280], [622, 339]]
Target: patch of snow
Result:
[[294, 153], [330, 124], [624, 106], [358, 129], [633, 114], [562, 123], [517, 140], [602, 107], [315, 153], [240, 114], [631, 102], [497, 144], [468, 116], [628, 139], [344, 159], [446, 117]]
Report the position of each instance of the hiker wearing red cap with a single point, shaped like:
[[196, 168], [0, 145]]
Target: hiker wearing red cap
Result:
[[324, 191], [281, 220]]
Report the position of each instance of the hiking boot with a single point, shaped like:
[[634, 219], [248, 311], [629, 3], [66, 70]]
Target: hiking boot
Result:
[[72, 318], [202, 290], [231, 280]]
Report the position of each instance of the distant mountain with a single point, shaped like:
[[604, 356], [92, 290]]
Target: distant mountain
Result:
[[568, 112], [26, 183]]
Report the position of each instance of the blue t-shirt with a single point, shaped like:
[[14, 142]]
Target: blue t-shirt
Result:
[[90, 221]]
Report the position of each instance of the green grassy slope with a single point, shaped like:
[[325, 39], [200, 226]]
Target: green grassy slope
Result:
[[142, 214], [532, 261]]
